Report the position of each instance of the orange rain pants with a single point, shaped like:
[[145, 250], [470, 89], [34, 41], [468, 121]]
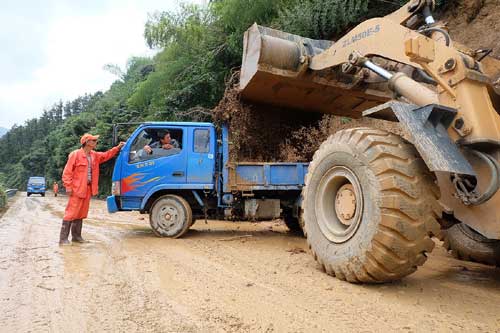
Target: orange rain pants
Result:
[[78, 208]]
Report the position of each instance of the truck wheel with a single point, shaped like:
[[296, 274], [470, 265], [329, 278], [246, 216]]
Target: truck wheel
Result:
[[370, 206], [28, 194], [467, 244], [292, 224], [43, 194], [170, 216]]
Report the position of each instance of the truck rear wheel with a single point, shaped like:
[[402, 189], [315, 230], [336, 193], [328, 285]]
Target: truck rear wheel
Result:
[[170, 216], [466, 244], [294, 224], [370, 206]]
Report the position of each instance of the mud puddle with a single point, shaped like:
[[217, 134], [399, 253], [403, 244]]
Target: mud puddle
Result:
[[222, 277]]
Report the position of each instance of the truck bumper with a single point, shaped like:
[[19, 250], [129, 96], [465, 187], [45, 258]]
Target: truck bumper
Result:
[[111, 203], [35, 190]]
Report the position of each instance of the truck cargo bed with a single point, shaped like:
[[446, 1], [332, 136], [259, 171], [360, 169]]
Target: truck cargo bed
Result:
[[248, 176]]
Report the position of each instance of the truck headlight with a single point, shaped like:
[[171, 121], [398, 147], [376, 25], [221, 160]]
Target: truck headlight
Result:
[[115, 188]]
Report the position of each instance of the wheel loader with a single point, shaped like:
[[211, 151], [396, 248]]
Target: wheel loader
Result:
[[372, 200]]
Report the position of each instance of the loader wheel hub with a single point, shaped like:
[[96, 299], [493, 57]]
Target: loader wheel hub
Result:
[[345, 204], [339, 204]]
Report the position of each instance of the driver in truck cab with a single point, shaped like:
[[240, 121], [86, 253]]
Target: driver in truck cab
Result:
[[165, 142]]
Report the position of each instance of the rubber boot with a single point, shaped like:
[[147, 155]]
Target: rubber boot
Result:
[[76, 231], [63, 236]]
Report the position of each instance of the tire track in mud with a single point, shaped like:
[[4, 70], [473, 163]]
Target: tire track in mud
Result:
[[31, 272], [290, 292], [86, 287], [116, 296]]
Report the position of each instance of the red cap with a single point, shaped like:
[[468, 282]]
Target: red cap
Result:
[[86, 137]]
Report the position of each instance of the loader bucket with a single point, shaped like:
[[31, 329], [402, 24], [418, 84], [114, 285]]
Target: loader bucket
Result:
[[275, 72]]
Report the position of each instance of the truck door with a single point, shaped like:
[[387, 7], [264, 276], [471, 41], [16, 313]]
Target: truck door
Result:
[[201, 160], [142, 171]]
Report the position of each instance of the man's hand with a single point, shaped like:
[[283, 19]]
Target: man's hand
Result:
[[121, 144], [148, 149], [167, 146]]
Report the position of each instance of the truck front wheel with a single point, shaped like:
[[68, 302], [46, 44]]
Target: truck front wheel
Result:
[[170, 216], [369, 206]]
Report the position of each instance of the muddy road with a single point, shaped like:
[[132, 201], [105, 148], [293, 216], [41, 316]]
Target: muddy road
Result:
[[232, 277]]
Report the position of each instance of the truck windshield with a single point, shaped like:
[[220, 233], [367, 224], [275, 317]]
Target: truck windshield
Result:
[[37, 181], [154, 143]]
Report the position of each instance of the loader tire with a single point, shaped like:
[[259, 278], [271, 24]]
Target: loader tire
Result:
[[370, 206], [464, 243], [170, 216]]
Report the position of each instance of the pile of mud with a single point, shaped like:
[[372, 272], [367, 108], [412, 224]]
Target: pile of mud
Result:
[[260, 133], [267, 134]]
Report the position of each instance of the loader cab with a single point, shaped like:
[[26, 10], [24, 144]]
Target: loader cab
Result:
[[183, 160]]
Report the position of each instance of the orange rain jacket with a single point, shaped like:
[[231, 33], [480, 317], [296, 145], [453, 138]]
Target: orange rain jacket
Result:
[[75, 172]]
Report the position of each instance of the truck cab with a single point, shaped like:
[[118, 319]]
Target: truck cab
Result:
[[139, 177], [36, 185]]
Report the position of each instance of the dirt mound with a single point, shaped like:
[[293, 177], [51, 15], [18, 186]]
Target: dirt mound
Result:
[[475, 23], [261, 133], [312, 137]]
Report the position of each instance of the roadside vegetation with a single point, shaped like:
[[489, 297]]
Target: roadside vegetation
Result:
[[198, 48], [3, 197]]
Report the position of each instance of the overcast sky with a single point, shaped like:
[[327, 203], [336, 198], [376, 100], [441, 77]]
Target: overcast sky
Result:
[[56, 49]]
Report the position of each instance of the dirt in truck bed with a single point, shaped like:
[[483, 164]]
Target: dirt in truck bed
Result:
[[220, 277], [261, 133]]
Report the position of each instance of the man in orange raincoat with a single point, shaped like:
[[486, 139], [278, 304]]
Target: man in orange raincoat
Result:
[[80, 178], [55, 188]]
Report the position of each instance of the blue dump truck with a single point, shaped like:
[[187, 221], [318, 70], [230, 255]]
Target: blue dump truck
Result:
[[197, 180], [36, 185]]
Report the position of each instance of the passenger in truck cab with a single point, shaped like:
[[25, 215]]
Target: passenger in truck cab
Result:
[[165, 142]]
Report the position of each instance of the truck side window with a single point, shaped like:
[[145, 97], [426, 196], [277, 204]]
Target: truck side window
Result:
[[201, 141], [151, 137]]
